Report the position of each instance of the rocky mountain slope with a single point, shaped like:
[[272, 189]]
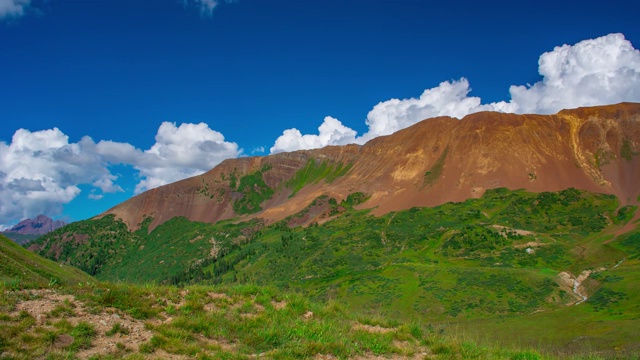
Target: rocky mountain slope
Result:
[[431, 163]]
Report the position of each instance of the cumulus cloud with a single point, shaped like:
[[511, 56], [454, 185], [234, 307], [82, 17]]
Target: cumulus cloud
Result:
[[181, 152], [592, 72], [40, 171], [13, 8], [107, 185], [331, 132], [450, 98]]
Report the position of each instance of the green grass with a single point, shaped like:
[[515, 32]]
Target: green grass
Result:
[[19, 268], [254, 192], [625, 214], [314, 172], [20, 238], [433, 174], [626, 151]]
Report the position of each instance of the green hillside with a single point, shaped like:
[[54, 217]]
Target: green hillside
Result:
[[20, 238], [20, 268], [471, 266]]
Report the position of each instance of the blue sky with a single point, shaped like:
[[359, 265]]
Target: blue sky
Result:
[[227, 80]]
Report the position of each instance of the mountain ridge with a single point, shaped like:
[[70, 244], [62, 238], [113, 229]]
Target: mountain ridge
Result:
[[433, 162]]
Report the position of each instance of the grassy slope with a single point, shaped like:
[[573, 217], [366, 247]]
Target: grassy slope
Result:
[[314, 172], [20, 238], [19, 267], [444, 265]]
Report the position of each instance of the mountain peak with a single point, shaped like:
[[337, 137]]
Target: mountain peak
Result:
[[40, 225]]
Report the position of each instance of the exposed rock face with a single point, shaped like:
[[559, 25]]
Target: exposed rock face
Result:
[[41, 225], [433, 162]]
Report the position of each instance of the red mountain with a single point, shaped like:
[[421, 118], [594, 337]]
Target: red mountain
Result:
[[430, 163]]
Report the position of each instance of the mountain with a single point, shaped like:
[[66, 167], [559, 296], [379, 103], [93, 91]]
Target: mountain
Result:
[[41, 225], [27, 230], [430, 163]]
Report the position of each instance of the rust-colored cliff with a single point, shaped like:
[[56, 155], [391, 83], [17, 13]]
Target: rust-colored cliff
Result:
[[430, 163]]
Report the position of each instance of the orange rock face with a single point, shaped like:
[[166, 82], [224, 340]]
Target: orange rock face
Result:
[[430, 163]]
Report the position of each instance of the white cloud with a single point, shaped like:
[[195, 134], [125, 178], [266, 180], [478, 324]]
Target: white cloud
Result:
[[13, 8], [258, 150], [450, 98], [40, 171], [94, 196], [331, 132], [592, 72], [107, 186], [181, 152]]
